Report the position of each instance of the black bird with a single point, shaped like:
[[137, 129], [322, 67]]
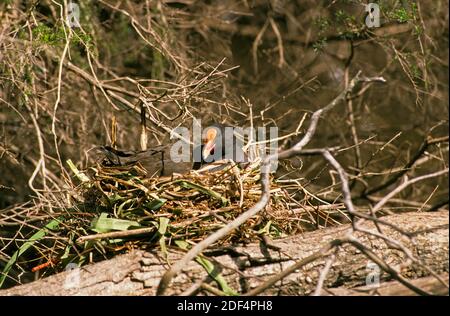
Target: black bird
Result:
[[218, 144], [156, 160]]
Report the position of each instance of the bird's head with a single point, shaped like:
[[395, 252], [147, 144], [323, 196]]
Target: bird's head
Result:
[[209, 142]]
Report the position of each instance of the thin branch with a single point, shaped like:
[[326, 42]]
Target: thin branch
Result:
[[426, 143], [405, 184], [324, 273], [317, 255]]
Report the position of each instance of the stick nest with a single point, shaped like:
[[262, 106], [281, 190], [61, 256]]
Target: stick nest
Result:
[[190, 206]]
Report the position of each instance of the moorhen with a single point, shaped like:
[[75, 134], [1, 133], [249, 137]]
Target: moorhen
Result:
[[157, 160]]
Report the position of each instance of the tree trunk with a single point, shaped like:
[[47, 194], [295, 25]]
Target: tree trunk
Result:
[[246, 267]]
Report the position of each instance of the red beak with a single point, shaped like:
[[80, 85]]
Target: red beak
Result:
[[208, 149], [210, 142]]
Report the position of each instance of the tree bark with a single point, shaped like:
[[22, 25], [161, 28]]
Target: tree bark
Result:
[[395, 288], [246, 267]]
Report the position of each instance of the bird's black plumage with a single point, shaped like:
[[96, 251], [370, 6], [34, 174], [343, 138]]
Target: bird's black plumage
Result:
[[157, 160]]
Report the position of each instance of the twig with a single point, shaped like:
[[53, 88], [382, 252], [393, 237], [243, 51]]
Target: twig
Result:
[[275, 29], [323, 274], [317, 255], [118, 234], [406, 183], [212, 289], [426, 143]]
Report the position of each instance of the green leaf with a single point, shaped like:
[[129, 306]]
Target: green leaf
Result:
[[266, 229], [213, 273], [120, 210], [162, 244], [214, 194], [53, 224], [68, 247], [155, 204], [115, 197], [162, 229], [80, 175], [103, 224], [182, 244], [163, 224], [210, 269], [115, 241]]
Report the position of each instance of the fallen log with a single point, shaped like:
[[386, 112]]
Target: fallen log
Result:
[[395, 288], [246, 267]]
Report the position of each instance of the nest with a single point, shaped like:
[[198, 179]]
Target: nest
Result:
[[189, 206], [119, 208]]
